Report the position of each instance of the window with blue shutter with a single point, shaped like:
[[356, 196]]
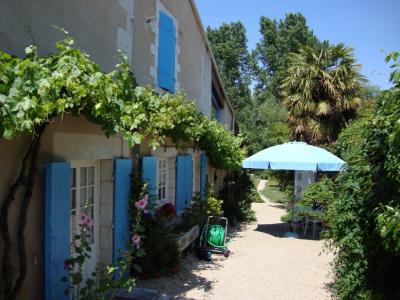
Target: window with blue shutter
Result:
[[149, 175], [216, 106], [166, 53], [189, 180], [203, 175], [57, 228], [122, 193], [184, 182]]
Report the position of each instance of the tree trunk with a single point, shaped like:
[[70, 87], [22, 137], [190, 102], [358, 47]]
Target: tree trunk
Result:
[[31, 176], [25, 180]]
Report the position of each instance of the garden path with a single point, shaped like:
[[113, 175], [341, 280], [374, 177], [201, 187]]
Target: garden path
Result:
[[263, 265]]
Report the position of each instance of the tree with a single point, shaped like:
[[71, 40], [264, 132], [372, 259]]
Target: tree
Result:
[[265, 123], [279, 38], [261, 117], [229, 45], [321, 91]]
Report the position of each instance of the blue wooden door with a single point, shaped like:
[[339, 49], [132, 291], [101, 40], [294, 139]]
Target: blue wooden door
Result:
[[180, 183], [122, 193], [189, 180], [166, 53], [183, 182], [203, 175], [57, 228], [149, 175]]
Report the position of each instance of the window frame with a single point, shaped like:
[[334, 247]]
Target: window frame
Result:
[[161, 8], [165, 183]]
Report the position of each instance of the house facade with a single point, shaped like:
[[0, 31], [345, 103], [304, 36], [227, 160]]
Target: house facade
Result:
[[78, 166]]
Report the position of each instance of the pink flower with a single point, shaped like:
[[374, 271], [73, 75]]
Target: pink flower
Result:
[[89, 222], [84, 218], [142, 203], [136, 240]]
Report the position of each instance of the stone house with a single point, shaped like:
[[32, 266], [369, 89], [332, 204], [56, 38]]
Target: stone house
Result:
[[167, 49]]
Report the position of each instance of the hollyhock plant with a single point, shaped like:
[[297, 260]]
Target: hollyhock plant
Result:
[[142, 203], [86, 220], [136, 240], [89, 221], [83, 218]]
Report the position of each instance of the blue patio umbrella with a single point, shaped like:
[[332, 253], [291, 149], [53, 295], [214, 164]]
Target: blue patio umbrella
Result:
[[297, 156], [294, 156]]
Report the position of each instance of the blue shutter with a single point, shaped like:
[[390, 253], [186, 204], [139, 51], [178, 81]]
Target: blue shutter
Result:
[[180, 183], [203, 175], [122, 193], [166, 53], [57, 228], [189, 180], [184, 182], [149, 175]]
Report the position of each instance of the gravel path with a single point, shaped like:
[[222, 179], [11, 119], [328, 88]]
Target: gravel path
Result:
[[263, 265]]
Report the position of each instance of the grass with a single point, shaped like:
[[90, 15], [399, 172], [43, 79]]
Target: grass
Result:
[[273, 193]]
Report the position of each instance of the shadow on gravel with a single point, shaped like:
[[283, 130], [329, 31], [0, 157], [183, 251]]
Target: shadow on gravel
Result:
[[177, 285], [281, 206], [279, 230]]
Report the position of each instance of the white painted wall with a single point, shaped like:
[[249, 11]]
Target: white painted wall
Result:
[[106, 211]]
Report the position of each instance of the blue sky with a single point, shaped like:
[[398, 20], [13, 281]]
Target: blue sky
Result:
[[371, 27]]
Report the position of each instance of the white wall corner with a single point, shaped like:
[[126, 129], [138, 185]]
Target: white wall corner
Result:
[[153, 49], [153, 72]]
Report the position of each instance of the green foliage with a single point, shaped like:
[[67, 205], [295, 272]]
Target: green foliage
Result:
[[36, 89], [238, 194], [263, 123], [321, 91], [279, 38], [395, 75], [388, 225], [351, 139], [223, 149], [319, 194], [364, 223], [229, 45], [199, 210]]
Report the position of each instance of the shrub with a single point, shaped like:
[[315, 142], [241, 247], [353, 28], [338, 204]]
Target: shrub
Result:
[[238, 194], [162, 255], [199, 210], [166, 213], [319, 194], [367, 263]]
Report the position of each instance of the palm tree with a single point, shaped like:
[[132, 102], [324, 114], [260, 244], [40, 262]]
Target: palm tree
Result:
[[321, 91]]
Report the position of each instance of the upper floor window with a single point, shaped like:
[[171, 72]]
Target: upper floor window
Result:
[[166, 74], [216, 107]]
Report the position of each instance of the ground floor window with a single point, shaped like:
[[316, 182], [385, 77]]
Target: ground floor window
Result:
[[84, 200], [162, 180]]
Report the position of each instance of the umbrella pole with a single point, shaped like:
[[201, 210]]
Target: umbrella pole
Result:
[[292, 233]]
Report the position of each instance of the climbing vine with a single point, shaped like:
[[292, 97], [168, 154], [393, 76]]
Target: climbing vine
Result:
[[36, 89]]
